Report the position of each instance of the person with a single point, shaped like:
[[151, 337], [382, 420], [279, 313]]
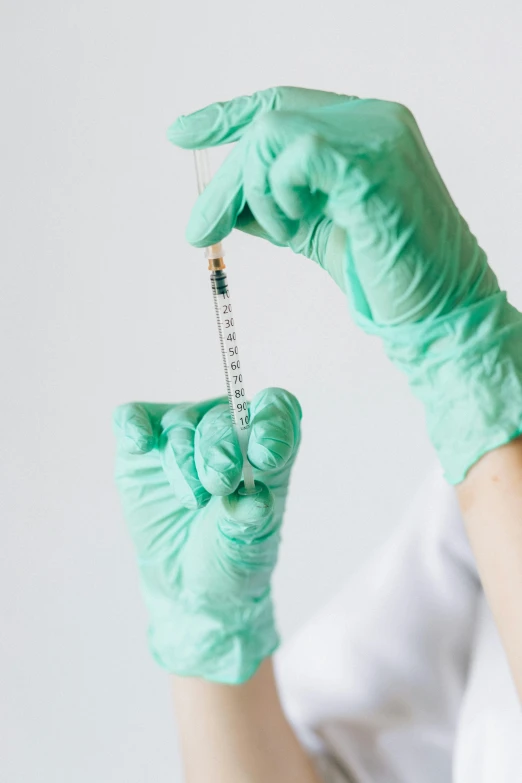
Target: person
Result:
[[375, 689]]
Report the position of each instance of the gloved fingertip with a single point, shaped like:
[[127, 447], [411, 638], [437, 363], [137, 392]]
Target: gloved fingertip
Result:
[[190, 496], [281, 398], [201, 232], [275, 416], [176, 450], [220, 478], [133, 428], [220, 484], [202, 128], [217, 452], [173, 130], [268, 454], [196, 234], [179, 133], [198, 499]]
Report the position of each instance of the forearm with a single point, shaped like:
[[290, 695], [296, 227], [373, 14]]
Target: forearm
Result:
[[491, 502], [238, 733]]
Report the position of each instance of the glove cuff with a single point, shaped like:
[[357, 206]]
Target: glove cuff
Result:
[[466, 368], [224, 645]]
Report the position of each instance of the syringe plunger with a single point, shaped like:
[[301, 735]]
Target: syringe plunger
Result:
[[203, 176]]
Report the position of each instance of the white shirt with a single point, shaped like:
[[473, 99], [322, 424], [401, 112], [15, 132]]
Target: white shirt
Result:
[[401, 678]]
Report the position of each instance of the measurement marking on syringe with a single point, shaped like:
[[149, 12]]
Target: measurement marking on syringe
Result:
[[230, 353], [223, 354]]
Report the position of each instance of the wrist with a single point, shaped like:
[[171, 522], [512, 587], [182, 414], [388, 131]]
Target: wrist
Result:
[[466, 368], [192, 635], [242, 729]]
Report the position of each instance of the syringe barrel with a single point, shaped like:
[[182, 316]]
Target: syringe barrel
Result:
[[237, 399]]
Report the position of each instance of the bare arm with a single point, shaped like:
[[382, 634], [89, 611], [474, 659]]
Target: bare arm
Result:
[[491, 503], [238, 733]]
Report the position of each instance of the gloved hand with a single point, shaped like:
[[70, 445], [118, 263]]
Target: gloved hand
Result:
[[205, 552], [351, 184]]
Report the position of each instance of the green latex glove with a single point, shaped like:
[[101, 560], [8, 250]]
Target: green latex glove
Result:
[[206, 553], [350, 184]]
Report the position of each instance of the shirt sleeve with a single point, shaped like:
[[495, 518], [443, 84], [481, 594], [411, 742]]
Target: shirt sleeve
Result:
[[374, 682]]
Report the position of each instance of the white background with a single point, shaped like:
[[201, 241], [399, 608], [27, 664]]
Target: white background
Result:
[[102, 301]]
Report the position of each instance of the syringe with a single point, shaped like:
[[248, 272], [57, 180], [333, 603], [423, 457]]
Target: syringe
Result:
[[226, 323]]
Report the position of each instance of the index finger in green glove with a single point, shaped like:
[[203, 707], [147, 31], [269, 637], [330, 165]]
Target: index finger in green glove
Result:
[[223, 123], [223, 205], [241, 190], [176, 447]]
